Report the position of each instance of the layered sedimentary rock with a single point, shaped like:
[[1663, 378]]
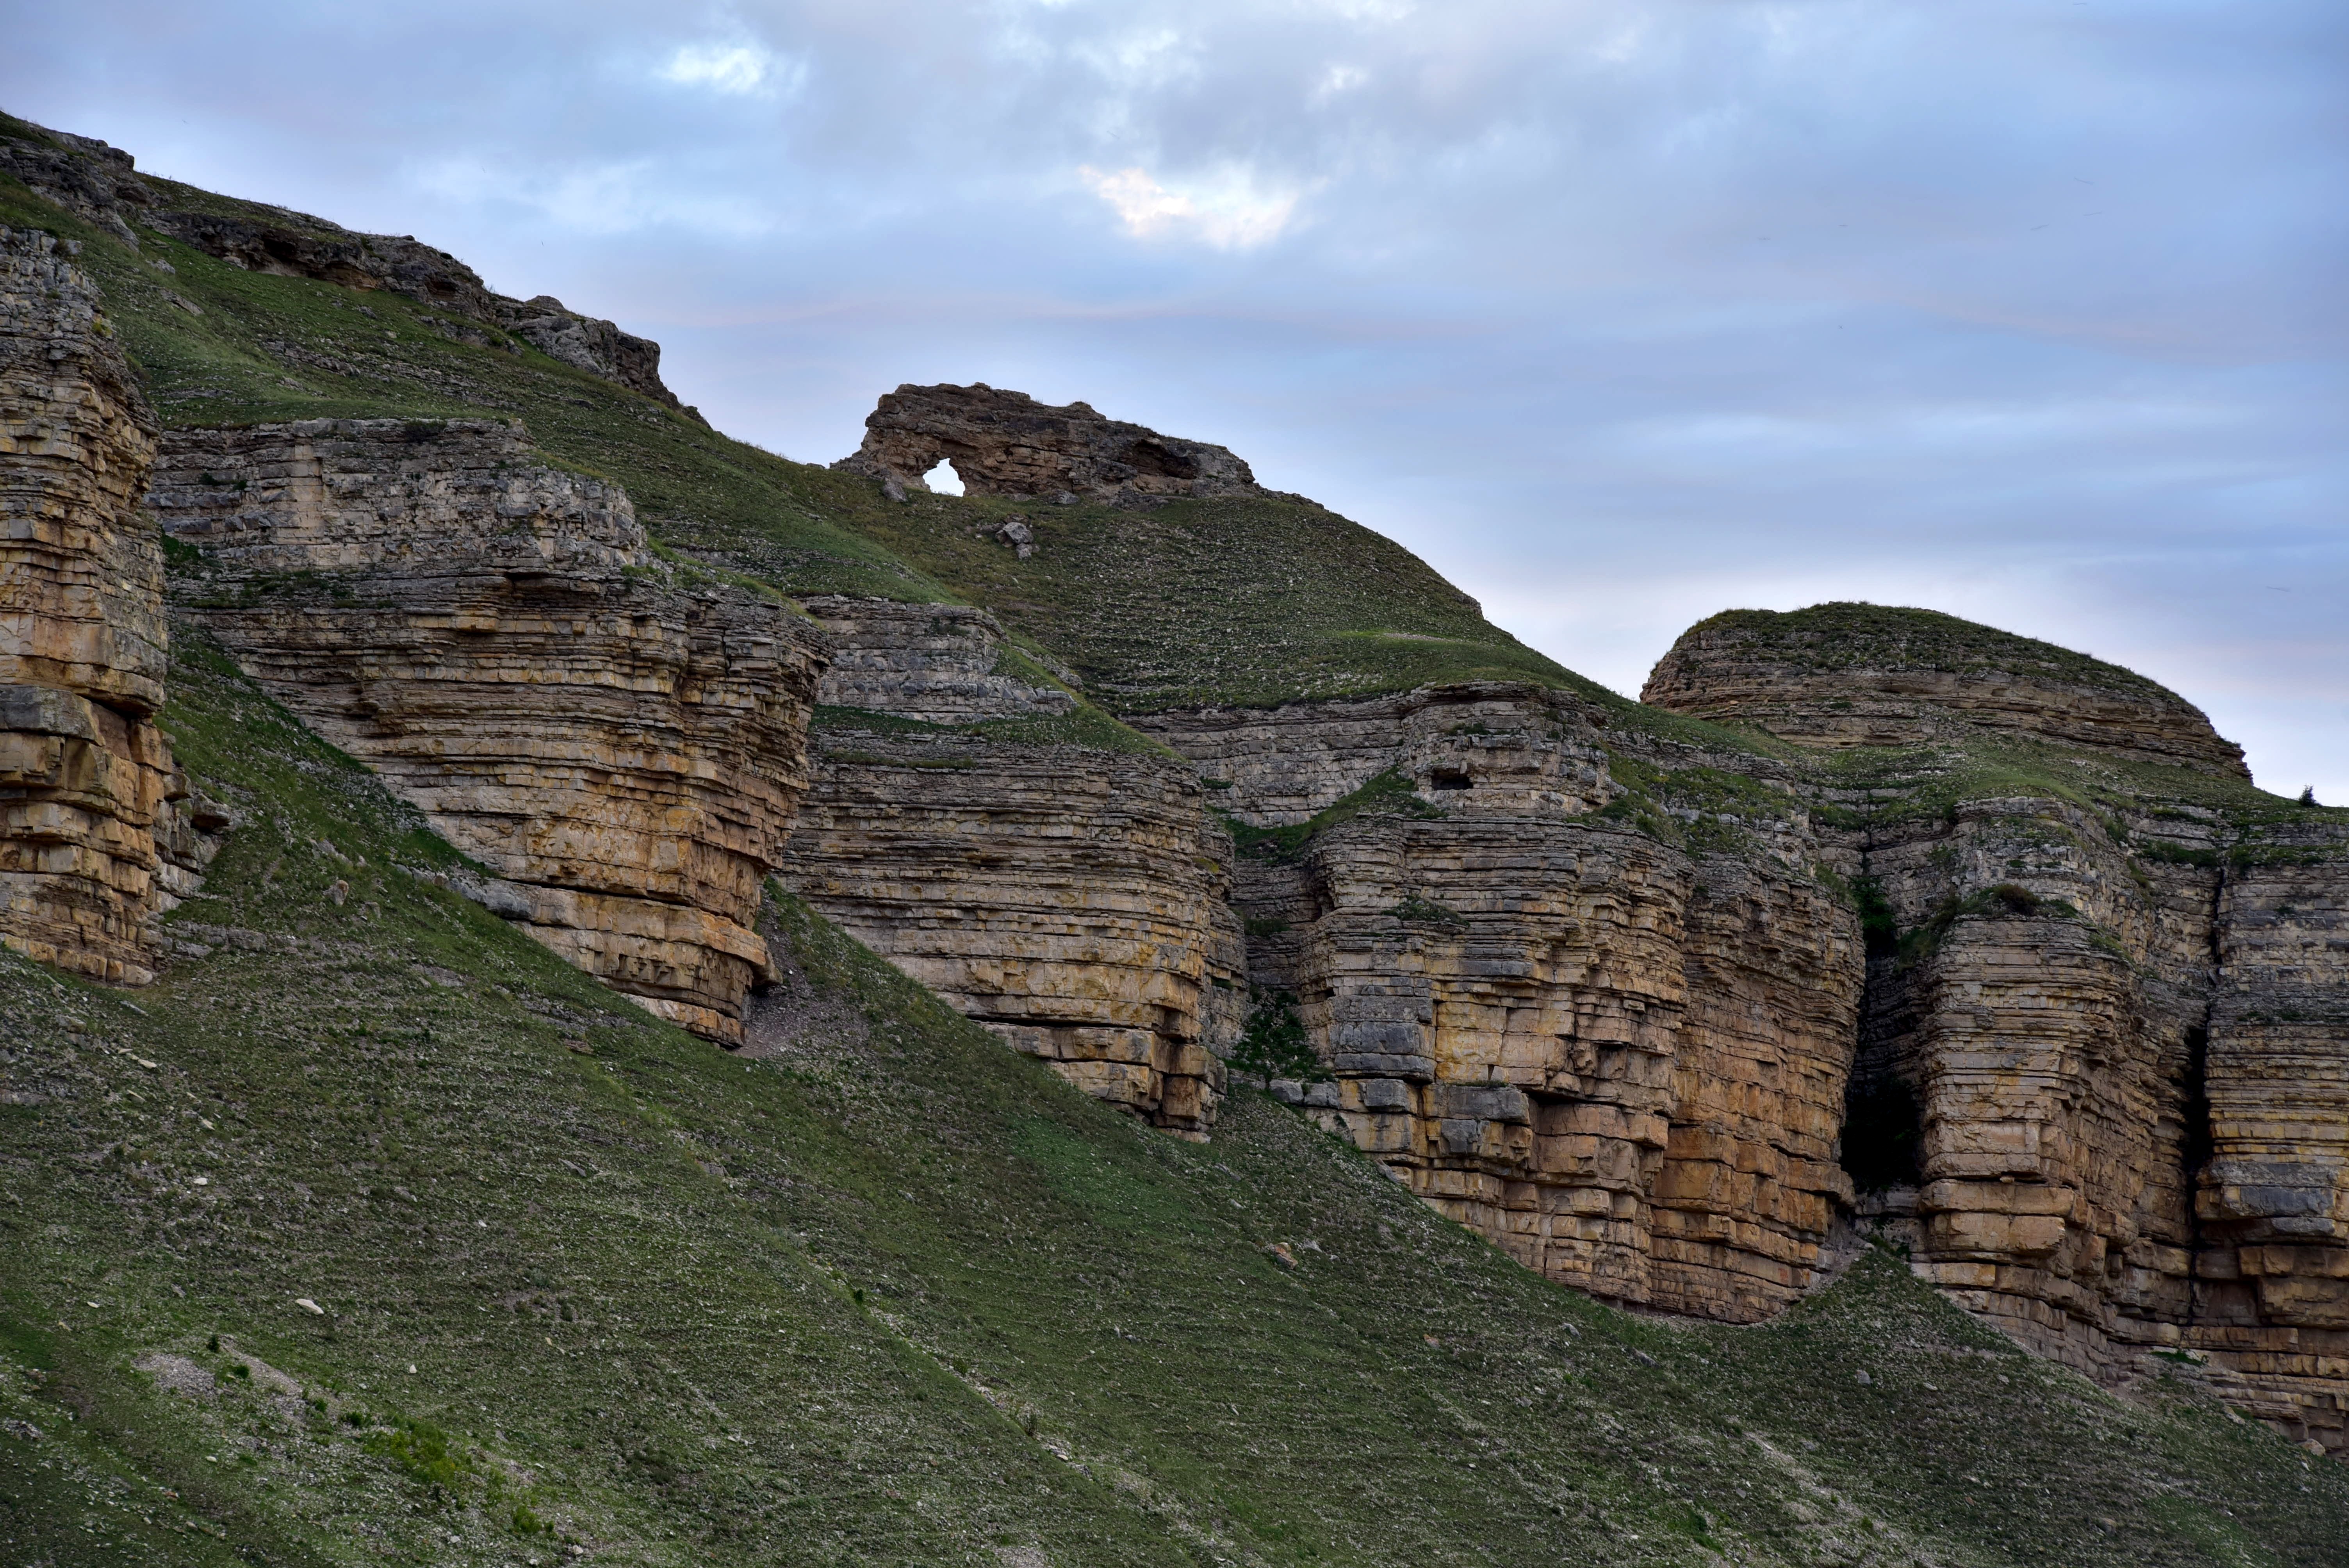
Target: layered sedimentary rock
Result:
[[2273, 1197], [2103, 1079], [1007, 444], [1623, 1062], [1857, 674], [1074, 899], [85, 775], [939, 663], [1071, 900], [624, 748], [100, 184], [1480, 745]]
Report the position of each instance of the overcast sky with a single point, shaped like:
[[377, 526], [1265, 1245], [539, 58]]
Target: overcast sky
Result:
[[1619, 312]]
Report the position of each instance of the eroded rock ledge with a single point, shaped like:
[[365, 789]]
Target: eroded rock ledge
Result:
[[491, 634], [2102, 1087], [1007, 444]]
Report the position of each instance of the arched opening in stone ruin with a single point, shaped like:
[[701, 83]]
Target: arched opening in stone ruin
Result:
[[1883, 1134], [944, 480]]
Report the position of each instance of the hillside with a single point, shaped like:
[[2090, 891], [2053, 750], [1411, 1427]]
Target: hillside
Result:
[[883, 1293], [603, 995]]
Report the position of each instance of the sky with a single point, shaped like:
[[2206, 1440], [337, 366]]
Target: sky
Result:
[[1619, 312]]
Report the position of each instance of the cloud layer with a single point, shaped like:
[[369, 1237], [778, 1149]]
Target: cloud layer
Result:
[[1620, 313]]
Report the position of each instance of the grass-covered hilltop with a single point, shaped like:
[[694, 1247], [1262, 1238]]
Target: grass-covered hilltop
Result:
[[683, 1002]]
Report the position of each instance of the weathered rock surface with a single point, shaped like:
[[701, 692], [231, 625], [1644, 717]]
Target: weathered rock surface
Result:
[[1074, 901], [1857, 675], [2103, 1076], [494, 638], [940, 664], [86, 777], [83, 175], [1007, 444], [1623, 1062], [1490, 747]]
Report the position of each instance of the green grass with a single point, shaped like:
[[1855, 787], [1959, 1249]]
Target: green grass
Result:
[[1243, 600], [267, 348], [894, 1295], [1846, 636]]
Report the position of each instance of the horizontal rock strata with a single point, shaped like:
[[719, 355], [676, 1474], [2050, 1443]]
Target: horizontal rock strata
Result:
[[1485, 747], [494, 637], [939, 663], [1073, 901], [86, 777], [1623, 1063], [1857, 674], [2103, 1078], [1007, 444]]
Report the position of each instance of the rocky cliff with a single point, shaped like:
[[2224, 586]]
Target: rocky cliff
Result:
[[2100, 1077], [623, 746], [1007, 444], [101, 184], [1072, 896], [1621, 1060], [1984, 942], [85, 777]]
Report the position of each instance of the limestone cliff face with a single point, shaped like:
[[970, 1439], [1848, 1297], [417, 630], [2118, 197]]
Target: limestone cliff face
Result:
[[939, 663], [1479, 746], [1623, 1062], [494, 637], [1856, 674], [2103, 1076], [85, 777], [1074, 899], [1007, 443], [1071, 900]]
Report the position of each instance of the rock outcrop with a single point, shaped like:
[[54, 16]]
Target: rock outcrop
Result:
[[1857, 674], [1007, 444], [624, 748], [1074, 901], [1623, 1062], [99, 184], [2102, 1086], [86, 777], [935, 664]]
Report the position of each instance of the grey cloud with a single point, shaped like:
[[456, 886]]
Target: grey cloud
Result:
[[1619, 312]]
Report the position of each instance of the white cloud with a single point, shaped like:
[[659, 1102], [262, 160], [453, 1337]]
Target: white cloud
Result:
[[1338, 80], [731, 68], [1229, 209]]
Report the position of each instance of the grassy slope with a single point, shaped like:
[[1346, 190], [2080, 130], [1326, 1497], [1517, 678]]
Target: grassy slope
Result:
[[1246, 601], [1848, 635], [1238, 601], [270, 348], [894, 1295]]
